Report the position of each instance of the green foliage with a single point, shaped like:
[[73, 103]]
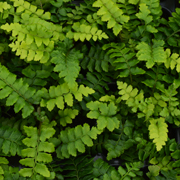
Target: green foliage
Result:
[[80, 167], [110, 12], [131, 171], [16, 91], [158, 132], [78, 80], [67, 62], [75, 139], [151, 54], [104, 113], [37, 151], [10, 141]]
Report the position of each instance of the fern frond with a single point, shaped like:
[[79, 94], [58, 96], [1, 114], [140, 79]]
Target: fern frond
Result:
[[37, 75], [152, 54], [136, 101], [124, 60], [154, 7], [120, 141], [3, 161], [146, 150], [78, 168], [144, 15], [132, 170], [170, 30], [37, 151], [104, 113], [83, 31], [172, 61], [100, 168], [158, 132], [156, 80], [62, 94], [16, 91], [96, 81], [110, 12], [67, 115], [172, 102], [75, 139], [67, 64], [96, 58], [25, 7], [10, 141]]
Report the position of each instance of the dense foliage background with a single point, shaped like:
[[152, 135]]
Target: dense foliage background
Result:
[[89, 90]]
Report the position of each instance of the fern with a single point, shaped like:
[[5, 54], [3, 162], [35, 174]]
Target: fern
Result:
[[75, 139], [124, 60], [3, 161], [10, 141], [67, 63], [62, 94], [83, 31], [155, 79], [37, 152], [110, 12], [144, 15], [151, 54], [96, 59], [16, 92], [89, 77], [122, 173], [24, 6], [117, 147], [36, 76], [172, 101], [67, 115], [172, 61], [104, 113], [97, 82], [158, 132], [100, 168], [82, 168], [4, 12]]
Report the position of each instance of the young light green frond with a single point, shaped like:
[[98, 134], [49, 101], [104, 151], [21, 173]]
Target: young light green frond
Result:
[[30, 9], [152, 54], [111, 14], [84, 32], [158, 132], [75, 139], [35, 38]]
